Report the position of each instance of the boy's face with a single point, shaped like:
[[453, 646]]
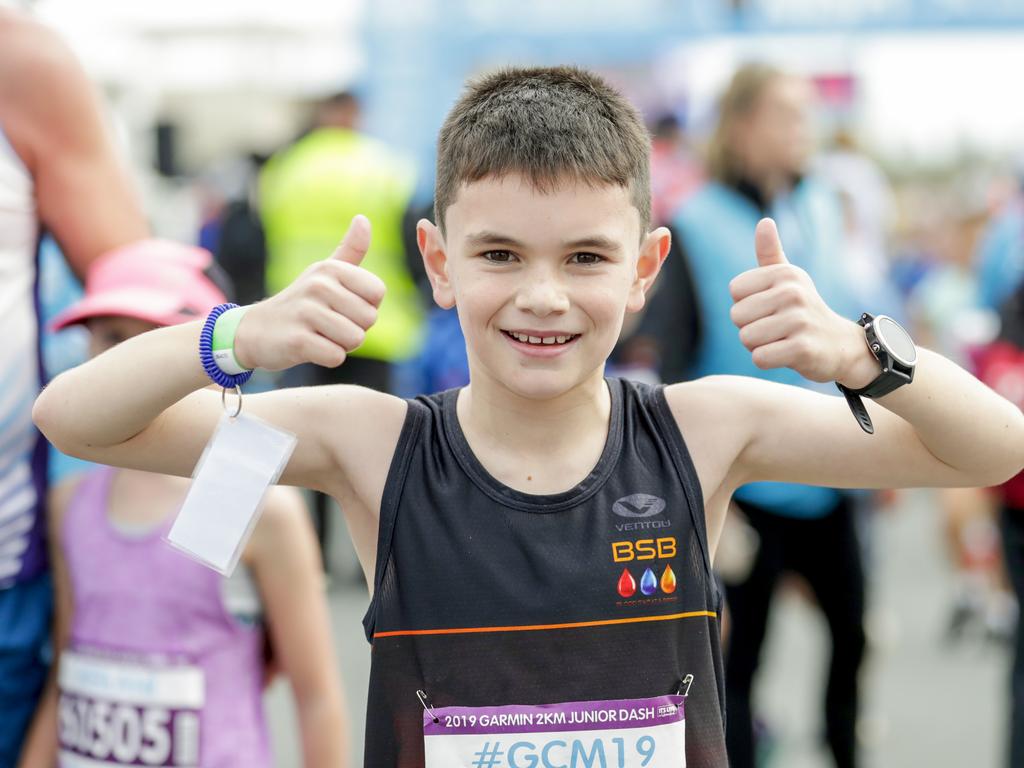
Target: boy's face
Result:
[[541, 281]]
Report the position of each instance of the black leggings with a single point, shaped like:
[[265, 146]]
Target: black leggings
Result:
[[826, 552]]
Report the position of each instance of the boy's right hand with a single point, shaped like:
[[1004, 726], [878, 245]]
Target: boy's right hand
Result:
[[320, 317]]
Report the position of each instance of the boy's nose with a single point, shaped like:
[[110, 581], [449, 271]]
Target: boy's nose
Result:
[[542, 296]]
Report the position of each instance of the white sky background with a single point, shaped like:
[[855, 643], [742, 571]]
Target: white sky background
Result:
[[298, 46], [927, 95], [924, 96]]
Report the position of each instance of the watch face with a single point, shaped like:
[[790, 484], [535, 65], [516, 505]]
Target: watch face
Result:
[[896, 340]]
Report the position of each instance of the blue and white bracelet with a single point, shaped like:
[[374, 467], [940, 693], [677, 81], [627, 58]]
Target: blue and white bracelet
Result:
[[216, 346]]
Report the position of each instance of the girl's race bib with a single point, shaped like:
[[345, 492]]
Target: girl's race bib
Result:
[[115, 713]]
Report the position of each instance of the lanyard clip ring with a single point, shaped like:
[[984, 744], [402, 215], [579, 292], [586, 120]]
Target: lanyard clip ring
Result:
[[224, 401]]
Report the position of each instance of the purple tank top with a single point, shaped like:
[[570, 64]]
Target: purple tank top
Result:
[[157, 671]]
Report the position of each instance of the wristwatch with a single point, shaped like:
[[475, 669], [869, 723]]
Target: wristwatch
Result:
[[894, 349]]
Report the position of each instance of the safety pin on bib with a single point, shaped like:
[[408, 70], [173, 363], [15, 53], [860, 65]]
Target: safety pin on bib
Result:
[[684, 686], [426, 707]]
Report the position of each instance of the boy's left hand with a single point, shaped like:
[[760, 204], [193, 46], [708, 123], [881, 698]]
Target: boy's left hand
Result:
[[786, 324]]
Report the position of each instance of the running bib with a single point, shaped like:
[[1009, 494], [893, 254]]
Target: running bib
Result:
[[626, 733], [113, 713]]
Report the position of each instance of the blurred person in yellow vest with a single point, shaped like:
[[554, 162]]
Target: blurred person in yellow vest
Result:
[[309, 192]]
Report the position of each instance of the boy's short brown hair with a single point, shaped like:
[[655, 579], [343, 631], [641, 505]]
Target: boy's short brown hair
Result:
[[548, 124]]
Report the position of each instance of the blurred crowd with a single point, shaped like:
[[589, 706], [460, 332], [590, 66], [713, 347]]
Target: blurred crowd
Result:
[[941, 250]]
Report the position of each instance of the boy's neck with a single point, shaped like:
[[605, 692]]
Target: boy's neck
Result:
[[537, 446]]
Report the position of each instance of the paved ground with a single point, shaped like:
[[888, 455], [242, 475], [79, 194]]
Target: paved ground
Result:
[[926, 704]]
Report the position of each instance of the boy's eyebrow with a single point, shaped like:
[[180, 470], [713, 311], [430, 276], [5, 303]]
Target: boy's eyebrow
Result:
[[492, 238], [599, 242]]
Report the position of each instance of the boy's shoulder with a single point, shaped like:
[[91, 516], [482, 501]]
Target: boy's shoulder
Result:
[[727, 404], [716, 416], [342, 417], [718, 391], [356, 429]]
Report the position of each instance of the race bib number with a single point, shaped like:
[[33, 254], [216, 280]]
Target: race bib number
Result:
[[627, 733], [113, 713]]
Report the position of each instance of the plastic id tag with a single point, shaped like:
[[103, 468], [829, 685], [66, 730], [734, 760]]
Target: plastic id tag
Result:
[[243, 459]]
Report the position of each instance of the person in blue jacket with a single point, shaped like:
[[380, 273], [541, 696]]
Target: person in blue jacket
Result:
[[758, 156]]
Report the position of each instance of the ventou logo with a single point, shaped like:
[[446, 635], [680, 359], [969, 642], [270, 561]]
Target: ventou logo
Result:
[[639, 505]]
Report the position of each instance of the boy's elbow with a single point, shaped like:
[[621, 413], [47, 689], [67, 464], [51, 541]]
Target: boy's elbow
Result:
[[46, 415], [990, 477], [1012, 460], [1017, 444], [43, 415]]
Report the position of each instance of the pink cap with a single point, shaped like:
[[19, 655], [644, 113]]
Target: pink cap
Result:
[[158, 281]]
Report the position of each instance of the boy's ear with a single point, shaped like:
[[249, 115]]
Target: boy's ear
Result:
[[435, 261], [653, 251]]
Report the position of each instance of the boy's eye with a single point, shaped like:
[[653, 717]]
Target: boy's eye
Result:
[[498, 257], [586, 258]]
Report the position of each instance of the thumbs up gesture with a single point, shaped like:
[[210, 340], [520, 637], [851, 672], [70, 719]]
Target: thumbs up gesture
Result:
[[786, 324], [320, 317]]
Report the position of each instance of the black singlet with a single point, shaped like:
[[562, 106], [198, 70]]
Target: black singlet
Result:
[[540, 575]]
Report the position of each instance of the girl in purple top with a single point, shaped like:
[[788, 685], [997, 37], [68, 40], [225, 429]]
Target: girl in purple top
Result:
[[161, 659]]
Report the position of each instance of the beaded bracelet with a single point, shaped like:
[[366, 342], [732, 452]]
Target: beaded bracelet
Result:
[[213, 370]]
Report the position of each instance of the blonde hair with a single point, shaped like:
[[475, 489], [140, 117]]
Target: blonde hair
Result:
[[745, 89]]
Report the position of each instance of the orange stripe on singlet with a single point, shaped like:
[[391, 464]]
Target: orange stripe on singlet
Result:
[[536, 627]]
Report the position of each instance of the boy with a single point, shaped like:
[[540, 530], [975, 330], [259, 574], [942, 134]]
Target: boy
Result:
[[543, 536]]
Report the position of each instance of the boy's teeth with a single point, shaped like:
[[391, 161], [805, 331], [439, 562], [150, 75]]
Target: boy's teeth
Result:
[[526, 339]]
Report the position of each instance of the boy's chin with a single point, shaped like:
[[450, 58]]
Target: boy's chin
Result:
[[543, 385]]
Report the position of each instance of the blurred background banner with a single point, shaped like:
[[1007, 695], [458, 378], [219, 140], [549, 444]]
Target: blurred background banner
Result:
[[922, 78]]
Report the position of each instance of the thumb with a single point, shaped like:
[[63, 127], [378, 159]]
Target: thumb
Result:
[[356, 242], [767, 244]]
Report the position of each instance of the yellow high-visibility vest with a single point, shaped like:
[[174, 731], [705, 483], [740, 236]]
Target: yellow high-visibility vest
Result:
[[309, 193]]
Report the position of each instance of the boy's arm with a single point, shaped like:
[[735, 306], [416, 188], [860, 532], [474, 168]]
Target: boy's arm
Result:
[[285, 559], [944, 429], [41, 742], [142, 404]]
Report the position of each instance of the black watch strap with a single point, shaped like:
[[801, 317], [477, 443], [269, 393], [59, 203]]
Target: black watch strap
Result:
[[859, 411], [890, 380]]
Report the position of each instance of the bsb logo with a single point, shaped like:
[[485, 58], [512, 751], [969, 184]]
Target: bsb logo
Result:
[[644, 549]]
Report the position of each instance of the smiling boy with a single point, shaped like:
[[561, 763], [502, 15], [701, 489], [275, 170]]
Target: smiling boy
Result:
[[544, 536]]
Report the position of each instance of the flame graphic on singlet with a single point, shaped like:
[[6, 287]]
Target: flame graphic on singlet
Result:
[[627, 584], [668, 580], [648, 582]]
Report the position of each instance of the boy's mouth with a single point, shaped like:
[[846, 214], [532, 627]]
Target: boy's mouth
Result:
[[545, 340]]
